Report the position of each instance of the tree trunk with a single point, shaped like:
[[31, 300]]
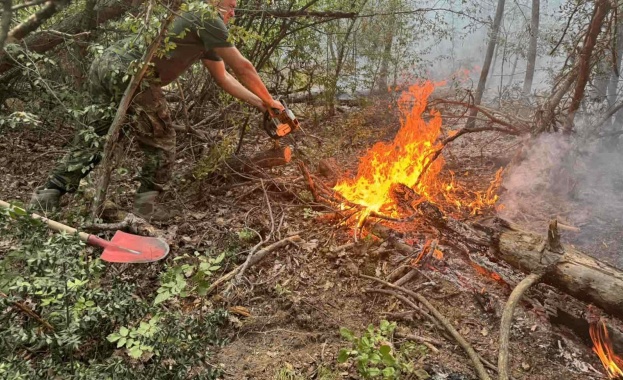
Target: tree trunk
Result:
[[42, 42], [512, 76], [5, 20], [615, 73], [602, 7], [381, 85], [534, 37], [495, 29], [568, 269]]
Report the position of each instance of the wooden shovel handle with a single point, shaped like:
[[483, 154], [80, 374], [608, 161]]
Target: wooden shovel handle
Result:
[[56, 226]]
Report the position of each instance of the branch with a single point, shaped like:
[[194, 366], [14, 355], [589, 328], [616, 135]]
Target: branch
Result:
[[254, 259], [507, 319], [5, 21], [28, 4], [302, 13], [35, 20], [115, 128], [28, 311], [72, 25]]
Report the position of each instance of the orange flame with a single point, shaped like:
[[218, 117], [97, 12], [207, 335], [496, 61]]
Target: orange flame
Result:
[[603, 348], [403, 161]]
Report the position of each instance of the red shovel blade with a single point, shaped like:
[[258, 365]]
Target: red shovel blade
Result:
[[128, 248]]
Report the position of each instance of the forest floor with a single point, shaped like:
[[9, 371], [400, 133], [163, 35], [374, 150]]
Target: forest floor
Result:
[[287, 314]]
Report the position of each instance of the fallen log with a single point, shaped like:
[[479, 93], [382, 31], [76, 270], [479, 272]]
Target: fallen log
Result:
[[277, 156], [572, 271]]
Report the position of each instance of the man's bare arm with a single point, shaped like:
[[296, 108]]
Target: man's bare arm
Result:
[[231, 85], [247, 75]]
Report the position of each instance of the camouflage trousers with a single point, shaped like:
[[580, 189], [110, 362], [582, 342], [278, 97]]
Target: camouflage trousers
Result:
[[148, 119]]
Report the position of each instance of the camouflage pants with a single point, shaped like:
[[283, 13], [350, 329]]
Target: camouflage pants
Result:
[[149, 122]]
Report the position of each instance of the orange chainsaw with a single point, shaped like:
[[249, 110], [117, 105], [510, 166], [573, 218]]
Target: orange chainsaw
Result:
[[280, 123]]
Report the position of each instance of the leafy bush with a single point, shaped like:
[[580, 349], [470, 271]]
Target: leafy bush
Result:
[[65, 314], [374, 355]]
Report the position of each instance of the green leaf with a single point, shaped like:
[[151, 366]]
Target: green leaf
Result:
[[219, 258], [374, 372], [384, 324], [346, 334], [389, 372], [375, 358], [385, 349], [121, 342], [162, 297], [123, 331], [113, 337], [342, 356], [135, 352]]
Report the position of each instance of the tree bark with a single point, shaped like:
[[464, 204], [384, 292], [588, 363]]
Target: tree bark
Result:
[[42, 42], [115, 128], [381, 86], [570, 270], [5, 21], [602, 7], [534, 37], [495, 29]]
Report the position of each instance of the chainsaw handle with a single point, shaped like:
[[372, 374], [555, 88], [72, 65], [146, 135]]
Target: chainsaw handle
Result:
[[56, 226]]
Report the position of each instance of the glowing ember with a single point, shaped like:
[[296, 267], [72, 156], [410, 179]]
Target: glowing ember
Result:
[[403, 161], [603, 348]]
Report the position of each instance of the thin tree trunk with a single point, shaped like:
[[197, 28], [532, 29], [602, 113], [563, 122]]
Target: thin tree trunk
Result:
[[115, 128], [512, 76], [495, 29], [602, 7], [534, 37], [387, 51], [615, 73]]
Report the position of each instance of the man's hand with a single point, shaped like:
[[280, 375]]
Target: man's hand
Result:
[[274, 108]]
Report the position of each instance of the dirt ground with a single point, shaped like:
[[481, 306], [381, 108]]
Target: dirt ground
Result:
[[299, 297]]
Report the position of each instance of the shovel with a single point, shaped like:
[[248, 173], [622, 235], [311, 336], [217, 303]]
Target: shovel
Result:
[[123, 248]]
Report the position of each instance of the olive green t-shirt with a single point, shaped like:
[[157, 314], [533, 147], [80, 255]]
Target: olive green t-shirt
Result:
[[195, 38]]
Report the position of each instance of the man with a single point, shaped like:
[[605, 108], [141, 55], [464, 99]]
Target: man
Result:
[[199, 36]]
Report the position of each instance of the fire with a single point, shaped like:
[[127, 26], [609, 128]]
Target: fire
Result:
[[407, 161], [603, 348]]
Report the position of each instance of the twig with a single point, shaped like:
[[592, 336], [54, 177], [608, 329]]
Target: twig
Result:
[[254, 259], [244, 266], [406, 301], [310, 182], [418, 338], [507, 319], [130, 223], [28, 311], [473, 355]]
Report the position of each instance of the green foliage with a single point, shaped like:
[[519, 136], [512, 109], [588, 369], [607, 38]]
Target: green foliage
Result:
[[82, 313], [374, 355], [218, 153], [175, 280]]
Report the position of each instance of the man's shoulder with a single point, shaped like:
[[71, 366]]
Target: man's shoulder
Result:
[[202, 18]]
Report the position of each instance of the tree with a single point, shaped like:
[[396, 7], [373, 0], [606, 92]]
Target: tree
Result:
[[532, 49], [493, 39]]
